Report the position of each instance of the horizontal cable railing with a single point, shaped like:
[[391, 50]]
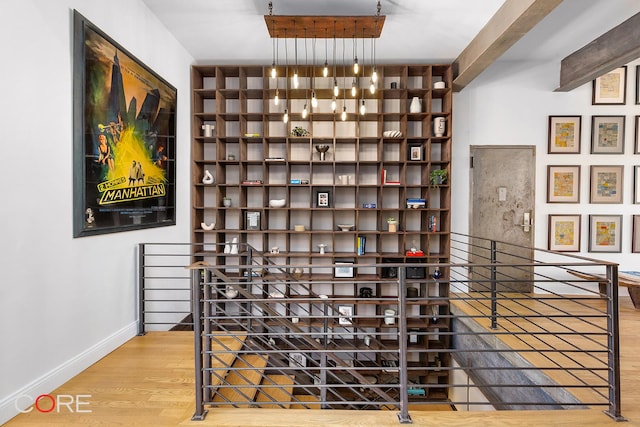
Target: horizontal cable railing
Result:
[[522, 328]]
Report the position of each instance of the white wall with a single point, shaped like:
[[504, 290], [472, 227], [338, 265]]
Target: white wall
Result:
[[66, 302], [510, 103]]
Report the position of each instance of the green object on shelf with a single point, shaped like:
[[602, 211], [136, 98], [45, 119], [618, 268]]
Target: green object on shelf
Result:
[[299, 131]]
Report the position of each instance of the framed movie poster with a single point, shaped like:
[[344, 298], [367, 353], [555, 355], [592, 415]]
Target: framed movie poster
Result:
[[124, 118]]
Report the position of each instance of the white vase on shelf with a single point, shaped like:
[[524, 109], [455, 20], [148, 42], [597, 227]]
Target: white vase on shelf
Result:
[[207, 178], [234, 245], [415, 106], [438, 126]]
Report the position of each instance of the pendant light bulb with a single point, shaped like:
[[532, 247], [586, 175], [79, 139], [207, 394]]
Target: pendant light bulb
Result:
[[356, 67], [276, 99], [363, 109], [353, 89], [296, 81], [336, 89], [305, 111], [285, 118], [372, 87], [314, 100], [274, 74], [334, 105], [325, 70], [374, 75], [344, 113]]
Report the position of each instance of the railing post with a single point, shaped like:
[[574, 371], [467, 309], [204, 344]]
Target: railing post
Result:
[[141, 286], [494, 277], [613, 318], [403, 379], [200, 413]]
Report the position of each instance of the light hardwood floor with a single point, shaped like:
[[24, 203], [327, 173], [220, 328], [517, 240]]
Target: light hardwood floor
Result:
[[149, 382]]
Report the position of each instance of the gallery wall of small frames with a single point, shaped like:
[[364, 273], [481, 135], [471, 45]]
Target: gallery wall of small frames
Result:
[[605, 180]]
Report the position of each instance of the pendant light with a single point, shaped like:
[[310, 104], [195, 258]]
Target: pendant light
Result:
[[325, 69], [363, 108], [285, 117], [374, 73], [305, 109], [343, 116], [336, 89], [356, 68], [296, 81], [314, 100]]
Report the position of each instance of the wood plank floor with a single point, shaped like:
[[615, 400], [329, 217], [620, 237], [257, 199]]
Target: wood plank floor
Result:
[[149, 382]]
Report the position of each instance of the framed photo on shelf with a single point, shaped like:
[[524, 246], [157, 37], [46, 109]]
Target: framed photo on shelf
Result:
[[606, 184], [605, 232], [636, 144], [346, 314], [563, 184], [252, 220], [607, 135], [564, 233], [323, 198], [636, 185], [564, 134], [415, 152], [635, 240], [609, 89], [344, 269]]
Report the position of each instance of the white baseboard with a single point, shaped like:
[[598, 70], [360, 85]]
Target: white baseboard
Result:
[[63, 373]]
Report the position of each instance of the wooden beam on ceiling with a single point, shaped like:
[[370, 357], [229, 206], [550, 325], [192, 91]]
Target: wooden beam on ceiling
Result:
[[509, 24], [611, 50]]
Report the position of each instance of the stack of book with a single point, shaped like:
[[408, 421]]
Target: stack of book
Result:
[[361, 242]]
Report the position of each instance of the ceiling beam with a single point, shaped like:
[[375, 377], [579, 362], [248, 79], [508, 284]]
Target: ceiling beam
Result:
[[611, 50], [509, 24]]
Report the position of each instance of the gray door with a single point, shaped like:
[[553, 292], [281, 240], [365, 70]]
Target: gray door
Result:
[[502, 203]]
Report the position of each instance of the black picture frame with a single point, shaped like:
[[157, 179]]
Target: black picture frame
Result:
[[124, 138], [252, 220], [323, 198]]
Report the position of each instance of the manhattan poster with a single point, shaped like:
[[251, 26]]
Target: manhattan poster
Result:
[[124, 138]]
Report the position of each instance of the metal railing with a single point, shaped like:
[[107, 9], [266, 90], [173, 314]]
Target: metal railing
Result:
[[532, 331]]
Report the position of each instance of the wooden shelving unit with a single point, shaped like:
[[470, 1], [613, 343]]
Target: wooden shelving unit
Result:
[[255, 158]]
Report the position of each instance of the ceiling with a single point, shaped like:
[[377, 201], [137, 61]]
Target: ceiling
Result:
[[415, 31]]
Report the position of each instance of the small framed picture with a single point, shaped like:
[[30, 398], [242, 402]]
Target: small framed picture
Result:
[[637, 139], [415, 152], [606, 184], [635, 241], [605, 232], [636, 185], [297, 360], [609, 89], [563, 184], [344, 269], [564, 233], [564, 134], [252, 220], [346, 314], [323, 198], [607, 135]]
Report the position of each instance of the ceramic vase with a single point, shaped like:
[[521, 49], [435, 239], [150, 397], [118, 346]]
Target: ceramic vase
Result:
[[208, 130], [207, 178], [415, 106], [438, 126]]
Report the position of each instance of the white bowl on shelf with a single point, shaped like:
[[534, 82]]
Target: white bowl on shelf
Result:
[[345, 227], [277, 203]]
